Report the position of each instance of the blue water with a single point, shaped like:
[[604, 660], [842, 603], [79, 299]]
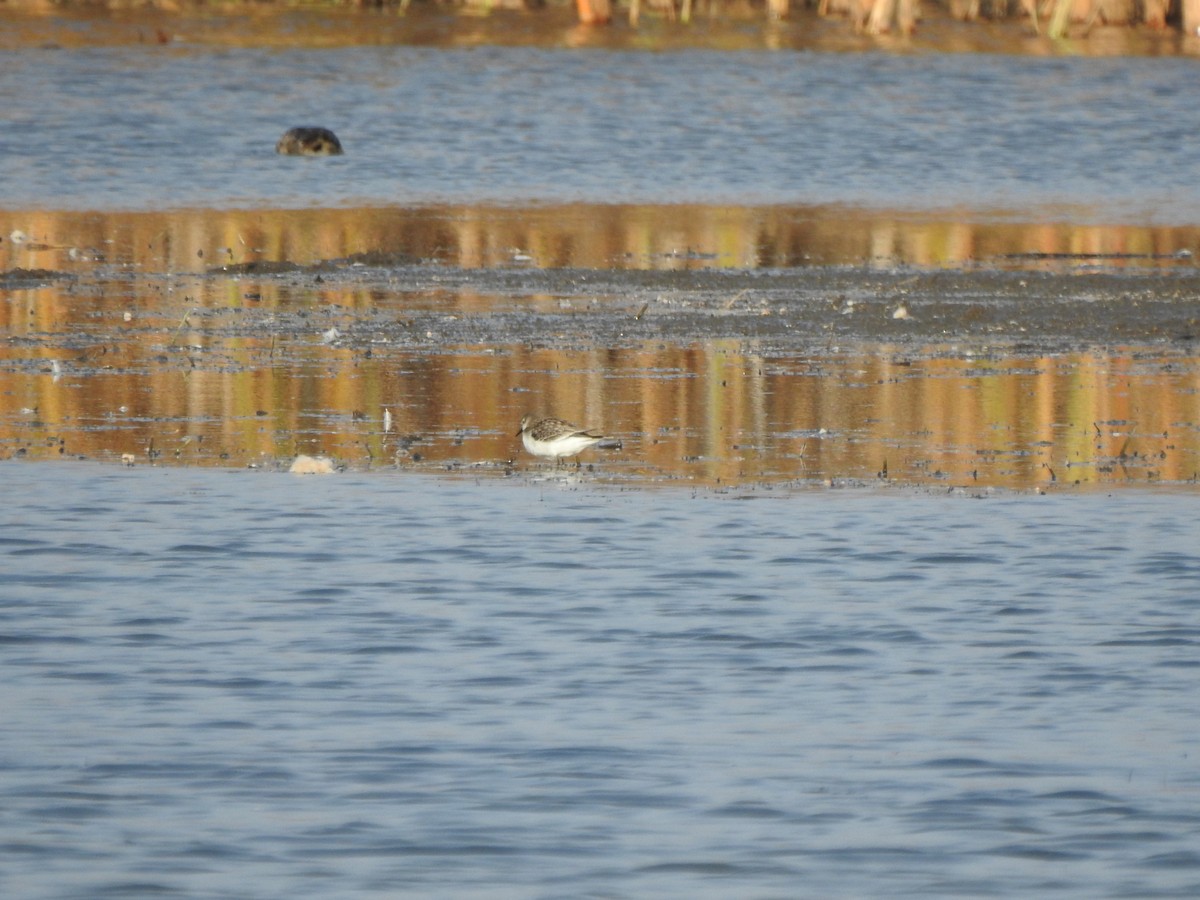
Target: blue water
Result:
[[1106, 140], [249, 684]]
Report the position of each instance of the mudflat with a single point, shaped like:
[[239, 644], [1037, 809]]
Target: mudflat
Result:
[[1074, 372]]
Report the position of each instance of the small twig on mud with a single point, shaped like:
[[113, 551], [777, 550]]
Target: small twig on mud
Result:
[[182, 324], [736, 297]]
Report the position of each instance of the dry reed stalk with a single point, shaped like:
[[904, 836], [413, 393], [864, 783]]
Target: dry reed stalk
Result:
[[666, 7], [1190, 16], [965, 10], [182, 324], [1088, 11], [879, 19], [1059, 19], [1154, 13], [1030, 7], [882, 15], [860, 11], [594, 12]]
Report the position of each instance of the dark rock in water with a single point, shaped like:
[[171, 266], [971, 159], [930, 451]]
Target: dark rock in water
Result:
[[309, 141]]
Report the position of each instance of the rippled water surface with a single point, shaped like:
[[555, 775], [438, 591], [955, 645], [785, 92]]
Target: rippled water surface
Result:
[[144, 127], [257, 685]]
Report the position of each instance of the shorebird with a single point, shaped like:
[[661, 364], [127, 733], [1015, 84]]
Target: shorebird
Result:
[[556, 439]]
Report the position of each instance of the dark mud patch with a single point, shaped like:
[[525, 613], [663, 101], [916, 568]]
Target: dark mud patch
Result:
[[16, 278], [257, 267], [786, 310]]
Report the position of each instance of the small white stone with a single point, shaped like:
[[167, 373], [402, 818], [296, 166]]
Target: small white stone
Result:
[[312, 465]]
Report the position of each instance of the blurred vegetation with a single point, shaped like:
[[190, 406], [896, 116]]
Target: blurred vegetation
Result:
[[1054, 18]]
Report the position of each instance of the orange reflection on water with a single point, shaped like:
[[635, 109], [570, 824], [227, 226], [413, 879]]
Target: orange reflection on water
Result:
[[629, 237]]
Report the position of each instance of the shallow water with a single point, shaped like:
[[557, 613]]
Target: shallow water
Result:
[[223, 683], [147, 127]]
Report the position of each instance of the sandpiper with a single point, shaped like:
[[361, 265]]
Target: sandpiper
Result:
[[556, 439]]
